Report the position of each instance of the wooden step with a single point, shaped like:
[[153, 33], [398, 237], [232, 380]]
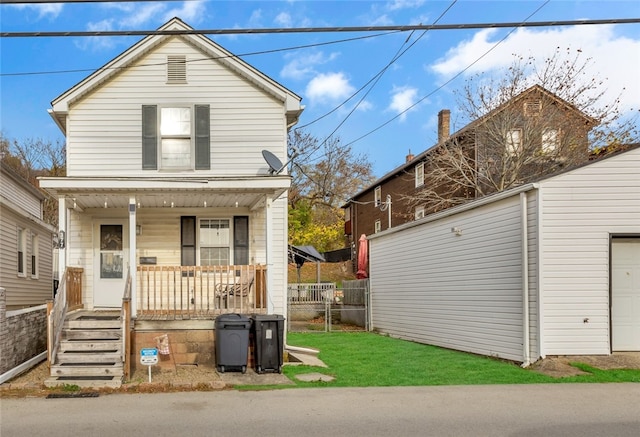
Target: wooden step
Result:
[[92, 334], [96, 357], [90, 345], [92, 324], [88, 370]]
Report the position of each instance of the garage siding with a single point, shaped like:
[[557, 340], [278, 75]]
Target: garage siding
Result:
[[461, 292]]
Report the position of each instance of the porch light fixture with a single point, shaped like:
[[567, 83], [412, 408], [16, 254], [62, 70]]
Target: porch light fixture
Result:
[[456, 231], [205, 203], [105, 203], [138, 229], [236, 203]]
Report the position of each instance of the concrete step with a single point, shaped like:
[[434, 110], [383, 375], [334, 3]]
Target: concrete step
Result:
[[95, 357], [84, 382], [81, 345]]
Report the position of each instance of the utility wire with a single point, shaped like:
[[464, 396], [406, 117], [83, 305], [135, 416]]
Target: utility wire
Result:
[[286, 30]]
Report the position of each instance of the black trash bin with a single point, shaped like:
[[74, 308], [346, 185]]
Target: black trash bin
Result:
[[232, 342], [268, 335]]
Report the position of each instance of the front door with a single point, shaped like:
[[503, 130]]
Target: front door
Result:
[[625, 294], [110, 262]]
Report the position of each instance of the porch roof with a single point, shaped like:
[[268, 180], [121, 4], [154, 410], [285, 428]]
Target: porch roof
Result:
[[87, 192]]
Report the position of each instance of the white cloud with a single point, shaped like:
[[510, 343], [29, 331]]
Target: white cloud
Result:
[[613, 57], [303, 66], [97, 43], [402, 99], [255, 20], [51, 10], [283, 19], [191, 12], [141, 14], [329, 87], [404, 4]]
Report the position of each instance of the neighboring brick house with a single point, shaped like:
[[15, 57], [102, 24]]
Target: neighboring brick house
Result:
[[560, 128]]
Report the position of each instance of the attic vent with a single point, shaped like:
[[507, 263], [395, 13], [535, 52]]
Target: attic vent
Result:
[[532, 107], [176, 69]]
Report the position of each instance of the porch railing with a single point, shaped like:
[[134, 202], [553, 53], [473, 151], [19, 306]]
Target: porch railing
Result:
[[125, 317], [199, 292], [68, 298]]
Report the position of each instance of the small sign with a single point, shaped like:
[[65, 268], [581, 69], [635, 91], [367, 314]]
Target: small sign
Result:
[[149, 356]]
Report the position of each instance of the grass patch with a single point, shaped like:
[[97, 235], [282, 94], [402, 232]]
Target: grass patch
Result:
[[370, 360]]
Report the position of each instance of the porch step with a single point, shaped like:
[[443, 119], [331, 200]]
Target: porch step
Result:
[[91, 334], [96, 382], [88, 370], [89, 357], [91, 345]]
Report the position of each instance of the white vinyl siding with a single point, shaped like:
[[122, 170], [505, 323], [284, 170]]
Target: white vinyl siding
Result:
[[461, 292], [105, 127], [582, 210]]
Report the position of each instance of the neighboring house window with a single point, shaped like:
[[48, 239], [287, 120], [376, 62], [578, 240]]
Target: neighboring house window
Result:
[[550, 140], [214, 242], [34, 255], [377, 227], [22, 246], [377, 196], [419, 212], [419, 171], [179, 136], [176, 69], [514, 142]]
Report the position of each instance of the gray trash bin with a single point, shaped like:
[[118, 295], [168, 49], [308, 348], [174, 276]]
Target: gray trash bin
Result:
[[268, 336], [232, 342]]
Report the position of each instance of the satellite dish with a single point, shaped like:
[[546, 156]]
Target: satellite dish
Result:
[[274, 163]]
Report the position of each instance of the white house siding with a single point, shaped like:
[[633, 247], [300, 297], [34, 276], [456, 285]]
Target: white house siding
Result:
[[460, 292], [104, 127], [15, 193], [582, 209]]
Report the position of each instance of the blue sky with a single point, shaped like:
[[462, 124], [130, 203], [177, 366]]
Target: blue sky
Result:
[[324, 75]]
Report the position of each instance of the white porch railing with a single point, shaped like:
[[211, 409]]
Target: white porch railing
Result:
[[199, 292]]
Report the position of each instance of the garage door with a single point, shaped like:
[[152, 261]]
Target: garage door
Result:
[[625, 294]]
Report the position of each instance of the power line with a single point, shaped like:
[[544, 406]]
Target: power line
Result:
[[286, 30]]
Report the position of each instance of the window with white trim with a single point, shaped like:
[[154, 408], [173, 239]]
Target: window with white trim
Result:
[[377, 227], [514, 142], [175, 138], [215, 242], [377, 196], [419, 212], [22, 251], [550, 140], [419, 172], [34, 255]]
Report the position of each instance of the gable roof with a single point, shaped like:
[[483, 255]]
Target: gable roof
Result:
[[468, 128], [62, 103]]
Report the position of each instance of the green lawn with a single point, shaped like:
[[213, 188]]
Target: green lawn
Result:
[[368, 359]]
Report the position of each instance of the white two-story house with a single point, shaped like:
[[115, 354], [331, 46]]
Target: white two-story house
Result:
[[168, 198]]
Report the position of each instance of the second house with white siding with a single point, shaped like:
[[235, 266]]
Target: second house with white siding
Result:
[[550, 268]]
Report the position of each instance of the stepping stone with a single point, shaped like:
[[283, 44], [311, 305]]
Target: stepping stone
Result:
[[315, 377]]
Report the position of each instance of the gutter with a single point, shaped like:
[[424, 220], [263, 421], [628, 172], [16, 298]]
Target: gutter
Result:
[[525, 280]]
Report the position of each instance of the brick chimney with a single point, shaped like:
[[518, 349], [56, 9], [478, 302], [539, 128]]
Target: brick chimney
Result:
[[410, 156], [444, 122]]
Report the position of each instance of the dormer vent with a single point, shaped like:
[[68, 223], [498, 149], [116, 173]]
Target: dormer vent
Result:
[[176, 69]]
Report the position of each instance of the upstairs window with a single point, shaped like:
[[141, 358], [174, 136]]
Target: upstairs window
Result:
[[514, 142], [419, 212], [550, 140], [377, 196], [419, 172], [22, 247], [377, 227], [178, 137]]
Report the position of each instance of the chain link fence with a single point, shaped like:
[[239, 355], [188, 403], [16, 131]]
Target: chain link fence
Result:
[[325, 308]]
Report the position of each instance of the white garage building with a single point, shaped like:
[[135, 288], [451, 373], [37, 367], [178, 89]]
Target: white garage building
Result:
[[550, 268]]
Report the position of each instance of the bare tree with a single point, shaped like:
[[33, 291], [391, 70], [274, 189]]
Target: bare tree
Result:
[[530, 122]]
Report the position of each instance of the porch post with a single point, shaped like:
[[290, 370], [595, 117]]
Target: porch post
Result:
[[62, 226], [270, 255], [133, 266]]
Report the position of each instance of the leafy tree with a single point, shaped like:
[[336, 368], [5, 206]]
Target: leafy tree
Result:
[[320, 186], [513, 138]]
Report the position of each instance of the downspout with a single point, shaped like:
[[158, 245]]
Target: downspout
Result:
[[525, 280]]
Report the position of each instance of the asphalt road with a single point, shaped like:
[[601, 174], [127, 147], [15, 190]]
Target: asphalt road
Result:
[[501, 410]]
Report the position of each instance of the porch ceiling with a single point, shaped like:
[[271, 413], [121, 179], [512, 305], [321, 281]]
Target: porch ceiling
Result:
[[84, 193]]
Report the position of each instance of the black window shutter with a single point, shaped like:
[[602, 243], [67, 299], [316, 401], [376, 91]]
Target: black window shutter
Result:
[[188, 240], [241, 240], [149, 137], [203, 145]]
